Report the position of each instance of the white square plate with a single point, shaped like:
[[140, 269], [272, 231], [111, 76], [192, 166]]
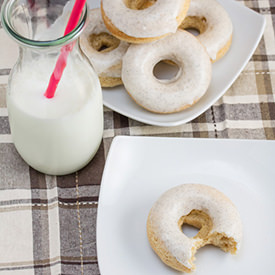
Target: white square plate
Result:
[[246, 37], [139, 169]]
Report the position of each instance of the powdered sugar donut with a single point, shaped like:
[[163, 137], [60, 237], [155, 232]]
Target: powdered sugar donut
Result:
[[198, 205], [167, 96], [214, 25], [140, 21], [104, 51]]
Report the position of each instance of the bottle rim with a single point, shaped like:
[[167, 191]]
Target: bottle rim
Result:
[[61, 41]]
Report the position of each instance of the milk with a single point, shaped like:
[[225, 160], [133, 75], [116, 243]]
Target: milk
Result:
[[60, 135]]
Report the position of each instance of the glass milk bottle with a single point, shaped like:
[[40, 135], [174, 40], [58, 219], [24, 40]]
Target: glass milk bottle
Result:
[[56, 135]]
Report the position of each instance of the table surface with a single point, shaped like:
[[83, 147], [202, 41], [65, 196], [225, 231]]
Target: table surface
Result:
[[48, 224]]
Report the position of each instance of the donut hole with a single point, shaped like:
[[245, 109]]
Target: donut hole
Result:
[[189, 230], [194, 24], [193, 31], [166, 70], [139, 4], [199, 220], [103, 42]]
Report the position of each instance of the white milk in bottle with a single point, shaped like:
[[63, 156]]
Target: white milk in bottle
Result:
[[58, 135]]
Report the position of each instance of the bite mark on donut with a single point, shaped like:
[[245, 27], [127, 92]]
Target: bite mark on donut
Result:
[[103, 42], [227, 244], [202, 221]]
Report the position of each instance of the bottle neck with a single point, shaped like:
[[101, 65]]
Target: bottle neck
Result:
[[40, 25], [35, 57], [72, 47]]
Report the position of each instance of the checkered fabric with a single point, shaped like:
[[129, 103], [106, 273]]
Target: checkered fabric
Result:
[[48, 224]]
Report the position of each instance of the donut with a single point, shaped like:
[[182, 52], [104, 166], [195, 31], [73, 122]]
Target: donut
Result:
[[214, 26], [103, 50], [178, 93], [142, 21], [198, 205]]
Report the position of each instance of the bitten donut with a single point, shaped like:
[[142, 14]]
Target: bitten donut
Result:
[[178, 93], [198, 205], [214, 25], [104, 51], [141, 21]]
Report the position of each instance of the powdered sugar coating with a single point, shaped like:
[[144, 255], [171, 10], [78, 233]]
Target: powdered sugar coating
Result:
[[173, 95], [106, 64], [219, 26], [156, 20], [180, 201]]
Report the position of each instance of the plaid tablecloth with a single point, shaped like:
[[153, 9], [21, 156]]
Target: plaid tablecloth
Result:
[[48, 224]]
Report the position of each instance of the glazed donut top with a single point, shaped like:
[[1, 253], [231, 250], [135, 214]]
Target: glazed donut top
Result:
[[218, 24], [156, 20], [167, 96], [180, 201], [103, 62]]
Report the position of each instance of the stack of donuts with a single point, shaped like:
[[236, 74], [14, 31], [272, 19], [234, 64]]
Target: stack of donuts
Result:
[[125, 39]]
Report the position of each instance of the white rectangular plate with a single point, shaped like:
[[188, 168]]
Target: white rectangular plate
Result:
[[139, 169], [248, 29]]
